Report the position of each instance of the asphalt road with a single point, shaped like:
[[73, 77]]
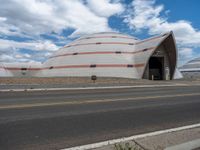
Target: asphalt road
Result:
[[60, 119]]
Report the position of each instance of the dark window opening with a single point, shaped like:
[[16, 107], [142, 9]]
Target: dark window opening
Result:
[[98, 43], [23, 69], [129, 66], [75, 53], [145, 49], [93, 66], [51, 67], [118, 52]]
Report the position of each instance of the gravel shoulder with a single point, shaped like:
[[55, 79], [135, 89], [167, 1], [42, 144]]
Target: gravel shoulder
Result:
[[68, 82]]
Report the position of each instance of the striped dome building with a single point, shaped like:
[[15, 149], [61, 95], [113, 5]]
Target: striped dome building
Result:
[[109, 54], [191, 69]]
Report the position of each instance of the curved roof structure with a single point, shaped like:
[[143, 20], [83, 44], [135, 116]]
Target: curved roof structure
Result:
[[191, 69], [111, 54], [193, 65]]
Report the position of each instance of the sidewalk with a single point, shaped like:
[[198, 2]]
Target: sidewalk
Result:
[[181, 138], [86, 88]]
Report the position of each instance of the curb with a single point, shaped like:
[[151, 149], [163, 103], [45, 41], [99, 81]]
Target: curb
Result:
[[115, 141], [92, 88]]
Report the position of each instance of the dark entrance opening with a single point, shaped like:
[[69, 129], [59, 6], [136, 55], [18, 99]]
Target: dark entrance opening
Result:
[[156, 68]]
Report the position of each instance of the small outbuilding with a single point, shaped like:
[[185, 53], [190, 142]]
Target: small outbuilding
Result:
[[191, 69]]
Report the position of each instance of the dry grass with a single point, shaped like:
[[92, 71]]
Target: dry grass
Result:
[[85, 80], [68, 80]]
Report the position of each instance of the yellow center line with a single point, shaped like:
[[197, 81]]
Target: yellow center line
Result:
[[18, 106]]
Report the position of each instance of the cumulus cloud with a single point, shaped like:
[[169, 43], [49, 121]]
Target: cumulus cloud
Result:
[[144, 14], [33, 45], [6, 58], [34, 17], [104, 8], [10, 50], [185, 54]]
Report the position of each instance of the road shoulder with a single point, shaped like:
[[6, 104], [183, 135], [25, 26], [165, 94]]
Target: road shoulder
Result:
[[159, 140]]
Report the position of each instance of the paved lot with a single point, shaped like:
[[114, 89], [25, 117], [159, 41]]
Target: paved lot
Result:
[[60, 119]]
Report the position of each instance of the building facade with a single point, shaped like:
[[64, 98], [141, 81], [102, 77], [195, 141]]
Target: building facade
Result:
[[191, 69], [107, 55]]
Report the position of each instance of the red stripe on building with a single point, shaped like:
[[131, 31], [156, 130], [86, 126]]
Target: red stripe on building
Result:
[[83, 53], [99, 43], [111, 65], [15, 68], [70, 66], [102, 52], [77, 66], [99, 37], [115, 43], [96, 66]]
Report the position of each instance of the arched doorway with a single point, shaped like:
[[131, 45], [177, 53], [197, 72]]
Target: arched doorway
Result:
[[156, 68]]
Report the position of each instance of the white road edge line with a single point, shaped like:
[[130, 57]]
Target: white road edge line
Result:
[[115, 141], [92, 88]]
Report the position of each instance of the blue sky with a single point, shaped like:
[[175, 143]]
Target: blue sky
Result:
[[32, 30]]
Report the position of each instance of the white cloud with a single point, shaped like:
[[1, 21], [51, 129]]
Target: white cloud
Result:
[[34, 17], [22, 56], [186, 53], [10, 50], [104, 8], [6, 58], [32, 45], [31, 18], [144, 14], [2, 19]]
